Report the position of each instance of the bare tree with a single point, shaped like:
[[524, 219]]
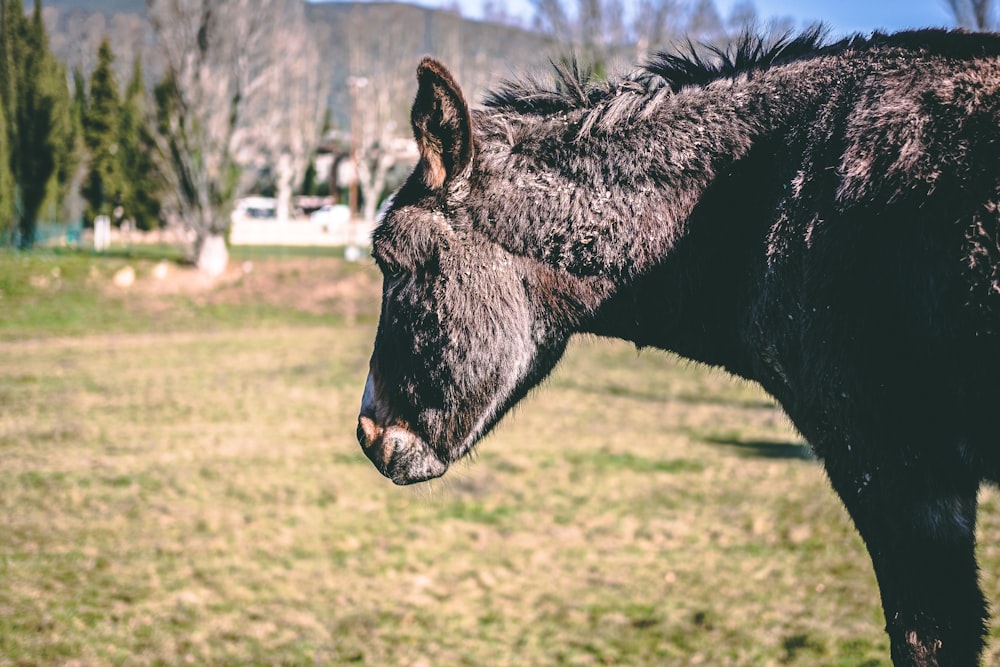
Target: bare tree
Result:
[[76, 34], [552, 16], [596, 30], [657, 24], [380, 77], [282, 124], [496, 11], [974, 14], [374, 152], [743, 17], [221, 57], [602, 31], [377, 48], [705, 24]]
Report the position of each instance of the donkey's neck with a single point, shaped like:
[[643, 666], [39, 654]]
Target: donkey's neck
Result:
[[642, 212], [607, 192]]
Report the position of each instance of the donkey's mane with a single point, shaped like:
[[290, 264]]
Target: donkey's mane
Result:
[[575, 87], [748, 53]]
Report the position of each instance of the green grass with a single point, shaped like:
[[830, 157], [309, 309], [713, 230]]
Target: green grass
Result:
[[62, 292], [181, 485], [242, 253]]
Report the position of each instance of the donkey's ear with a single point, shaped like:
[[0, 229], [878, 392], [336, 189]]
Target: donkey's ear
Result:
[[442, 124]]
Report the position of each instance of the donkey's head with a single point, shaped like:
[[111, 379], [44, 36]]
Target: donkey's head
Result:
[[466, 328]]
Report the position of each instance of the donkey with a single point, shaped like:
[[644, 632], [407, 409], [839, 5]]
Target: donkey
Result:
[[822, 219]]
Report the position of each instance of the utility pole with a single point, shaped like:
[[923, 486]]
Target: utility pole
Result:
[[355, 84]]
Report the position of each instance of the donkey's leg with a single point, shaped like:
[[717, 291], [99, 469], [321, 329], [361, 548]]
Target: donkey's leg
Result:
[[918, 521]]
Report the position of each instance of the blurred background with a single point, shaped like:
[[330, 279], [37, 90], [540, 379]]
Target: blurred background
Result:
[[187, 307], [166, 116]]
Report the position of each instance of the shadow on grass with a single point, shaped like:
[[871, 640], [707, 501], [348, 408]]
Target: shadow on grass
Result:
[[765, 449], [662, 397]]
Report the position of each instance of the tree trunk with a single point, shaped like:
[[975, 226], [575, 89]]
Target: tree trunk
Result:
[[284, 174], [211, 254]]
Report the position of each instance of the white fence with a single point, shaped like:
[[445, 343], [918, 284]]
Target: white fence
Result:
[[298, 232]]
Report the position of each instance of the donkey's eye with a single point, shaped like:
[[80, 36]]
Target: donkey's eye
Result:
[[392, 272], [389, 269]]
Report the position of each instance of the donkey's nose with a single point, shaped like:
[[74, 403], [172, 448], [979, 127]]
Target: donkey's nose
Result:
[[368, 430], [377, 447], [397, 452]]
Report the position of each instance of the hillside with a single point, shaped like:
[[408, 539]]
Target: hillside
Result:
[[381, 39], [76, 28], [107, 7], [384, 41]]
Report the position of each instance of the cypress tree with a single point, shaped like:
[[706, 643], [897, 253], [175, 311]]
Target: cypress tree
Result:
[[7, 219], [34, 150], [135, 148], [76, 168], [11, 40], [79, 95], [309, 179], [35, 106], [66, 152], [11, 43], [101, 124]]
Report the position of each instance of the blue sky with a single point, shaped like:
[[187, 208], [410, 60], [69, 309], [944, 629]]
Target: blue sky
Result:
[[843, 16], [849, 16]]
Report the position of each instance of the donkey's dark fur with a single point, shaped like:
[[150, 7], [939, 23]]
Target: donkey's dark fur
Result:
[[823, 220]]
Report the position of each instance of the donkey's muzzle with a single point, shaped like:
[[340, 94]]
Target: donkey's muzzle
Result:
[[397, 453]]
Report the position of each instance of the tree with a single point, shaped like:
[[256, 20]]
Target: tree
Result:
[[63, 139], [11, 16], [600, 32], [594, 29], [657, 24], [12, 25], [705, 24], [282, 124], [974, 14], [380, 73], [34, 98], [140, 199], [221, 56], [495, 11], [74, 205], [41, 121], [103, 188], [7, 212], [309, 185]]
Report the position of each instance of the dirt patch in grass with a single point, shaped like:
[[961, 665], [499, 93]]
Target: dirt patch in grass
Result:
[[77, 293], [318, 285]]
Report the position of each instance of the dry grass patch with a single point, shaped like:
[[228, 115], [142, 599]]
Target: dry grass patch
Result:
[[197, 497]]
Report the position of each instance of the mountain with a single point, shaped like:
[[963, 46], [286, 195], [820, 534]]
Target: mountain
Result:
[[384, 41], [360, 39], [107, 7], [76, 28]]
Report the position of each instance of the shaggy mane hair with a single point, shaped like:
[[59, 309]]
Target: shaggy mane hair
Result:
[[575, 87]]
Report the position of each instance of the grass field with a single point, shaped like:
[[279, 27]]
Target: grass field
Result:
[[180, 484]]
